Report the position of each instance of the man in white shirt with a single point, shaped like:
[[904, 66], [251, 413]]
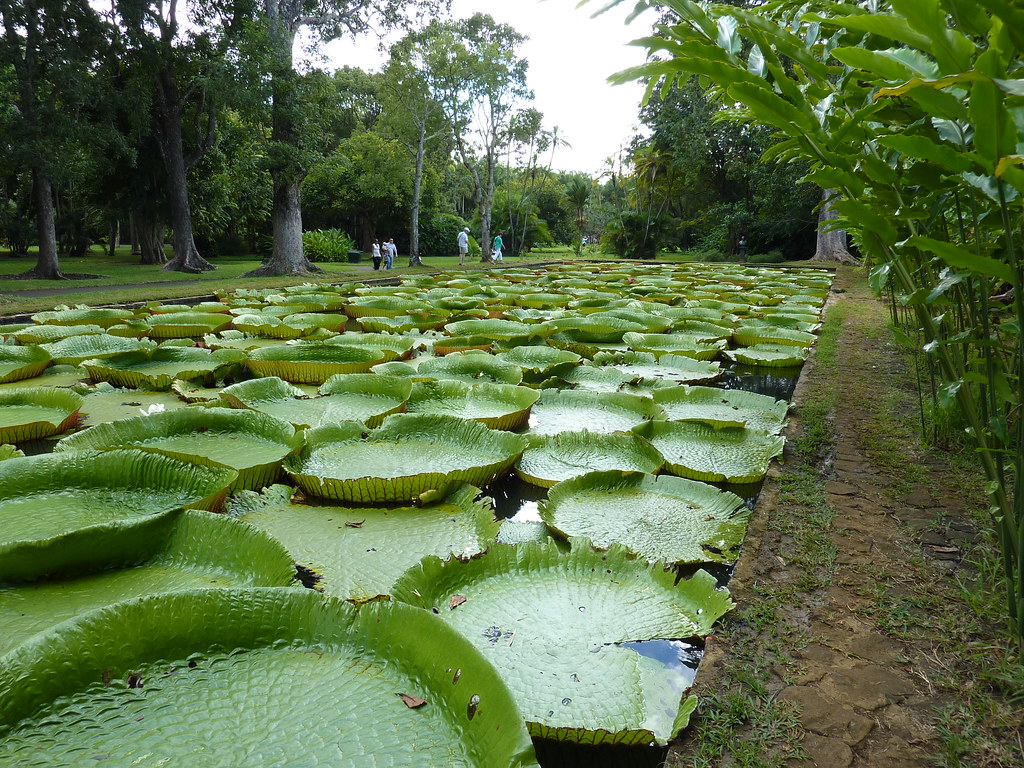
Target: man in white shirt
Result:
[[463, 245]]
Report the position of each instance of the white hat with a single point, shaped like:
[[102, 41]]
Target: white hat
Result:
[[465, 229]]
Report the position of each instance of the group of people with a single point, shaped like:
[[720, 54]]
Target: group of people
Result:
[[497, 246], [384, 255]]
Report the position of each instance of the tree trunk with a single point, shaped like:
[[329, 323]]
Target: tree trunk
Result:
[[114, 238], [47, 265], [287, 257], [172, 148], [486, 211], [831, 242], [417, 191], [149, 233]]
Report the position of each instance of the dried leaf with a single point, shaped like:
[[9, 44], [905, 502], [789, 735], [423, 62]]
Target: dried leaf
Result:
[[354, 523], [412, 702], [456, 601]]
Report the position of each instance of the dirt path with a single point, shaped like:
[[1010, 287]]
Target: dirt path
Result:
[[852, 643]]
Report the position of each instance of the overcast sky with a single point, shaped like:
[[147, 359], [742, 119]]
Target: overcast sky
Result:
[[571, 56]]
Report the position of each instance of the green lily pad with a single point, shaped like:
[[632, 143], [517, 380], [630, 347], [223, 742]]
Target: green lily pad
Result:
[[363, 397], [167, 657], [188, 551], [36, 412], [380, 306], [701, 452], [46, 334], [450, 344], [409, 455], [471, 367], [105, 402], [769, 355], [602, 378], [660, 518], [74, 350], [63, 512], [553, 624], [666, 370], [541, 360], [394, 347], [549, 459], [498, 406], [723, 407], [359, 552], [267, 326], [184, 325], [492, 328], [751, 335], [20, 363], [696, 347], [252, 443], [83, 316], [312, 363], [564, 411], [237, 340], [159, 368]]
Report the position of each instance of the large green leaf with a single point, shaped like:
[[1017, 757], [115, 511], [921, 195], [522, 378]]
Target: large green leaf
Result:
[[214, 673], [104, 402], [20, 363], [549, 459], [183, 325], [749, 335], [359, 552], [498, 406], [268, 326], [493, 329], [554, 624], [395, 347], [159, 368], [723, 407], [540, 360], [701, 452], [66, 511], [188, 551], [409, 455], [769, 355], [35, 412], [566, 411], [83, 316], [660, 518], [313, 363], [471, 367], [696, 346], [73, 350], [666, 368], [252, 443], [46, 334]]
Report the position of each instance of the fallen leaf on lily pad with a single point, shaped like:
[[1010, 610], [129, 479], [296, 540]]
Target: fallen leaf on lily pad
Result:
[[412, 702], [456, 601]]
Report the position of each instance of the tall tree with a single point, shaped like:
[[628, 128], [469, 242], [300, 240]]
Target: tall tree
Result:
[[50, 47], [292, 155]]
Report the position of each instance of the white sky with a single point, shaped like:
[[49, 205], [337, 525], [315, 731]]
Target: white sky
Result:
[[571, 56]]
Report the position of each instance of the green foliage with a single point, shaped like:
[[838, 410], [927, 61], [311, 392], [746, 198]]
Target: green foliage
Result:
[[916, 124], [330, 245], [439, 234]]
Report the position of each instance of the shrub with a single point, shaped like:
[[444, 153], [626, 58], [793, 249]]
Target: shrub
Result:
[[439, 235], [774, 256], [328, 245], [706, 254]]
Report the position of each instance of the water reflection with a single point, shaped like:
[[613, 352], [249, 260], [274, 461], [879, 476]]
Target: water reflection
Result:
[[778, 382]]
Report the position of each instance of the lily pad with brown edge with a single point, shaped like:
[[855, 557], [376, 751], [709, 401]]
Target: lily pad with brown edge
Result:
[[665, 518], [471, 367], [555, 624], [450, 344], [406, 457], [159, 368], [254, 444], [723, 407], [359, 552], [74, 350], [37, 412], [147, 670], [550, 459], [498, 406], [64, 512], [191, 550], [20, 363], [566, 410], [701, 452], [314, 362]]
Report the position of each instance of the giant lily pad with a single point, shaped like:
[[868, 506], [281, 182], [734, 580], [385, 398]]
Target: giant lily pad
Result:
[[549, 459], [252, 443], [183, 325], [769, 355], [723, 407], [312, 363], [165, 659], [188, 551], [542, 361], [492, 329], [565, 411], [409, 455], [83, 316], [660, 518], [73, 350], [394, 347], [62, 512], [268, 326], [498, 406], [696, 347], [471, 367], [159, 368], [20, 363], [554, 625], [644, 367], [701, 452], [35, 412], [359, 552], [750, 335], [380, 306], [46, 334]]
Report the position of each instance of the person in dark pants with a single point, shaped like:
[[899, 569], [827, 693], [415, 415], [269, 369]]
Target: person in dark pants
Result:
[[375, 254]]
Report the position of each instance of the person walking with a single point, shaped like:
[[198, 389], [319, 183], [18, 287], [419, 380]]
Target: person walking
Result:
[[375, 254], [497, 246], [390, 251], [463, 245]]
